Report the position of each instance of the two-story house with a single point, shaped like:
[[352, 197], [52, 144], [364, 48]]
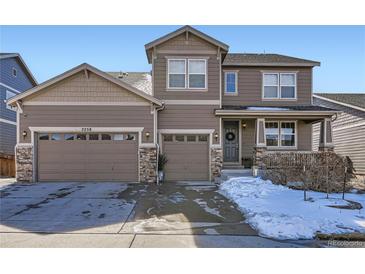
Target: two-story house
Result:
[[15, 77], [202, 107]]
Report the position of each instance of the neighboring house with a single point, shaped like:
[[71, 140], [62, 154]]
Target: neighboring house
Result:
[[202, 106], [348, 126], [15, 77]]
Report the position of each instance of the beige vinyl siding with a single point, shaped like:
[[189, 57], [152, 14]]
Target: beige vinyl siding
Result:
[[188, 117], [78, 88], [180, 43], [250, 87], [348, 133], [86, 116], [248, 138]]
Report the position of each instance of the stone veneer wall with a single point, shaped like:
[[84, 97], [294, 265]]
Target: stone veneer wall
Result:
[[24, 162], [216, 162], [258, 156], [148, 165]]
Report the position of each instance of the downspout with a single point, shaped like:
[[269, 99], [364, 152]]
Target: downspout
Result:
[[157, 145]]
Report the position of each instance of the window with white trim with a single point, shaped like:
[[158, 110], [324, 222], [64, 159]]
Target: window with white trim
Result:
[[187, 74], [230, 82], [9, 94], [279, 85], [280, 134], [177, 73], [197, 73]]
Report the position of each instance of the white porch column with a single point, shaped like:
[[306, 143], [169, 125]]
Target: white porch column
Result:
[[325, 135]]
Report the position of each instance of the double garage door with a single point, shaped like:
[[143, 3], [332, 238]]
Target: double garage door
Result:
[[87, 157], [187, 157]]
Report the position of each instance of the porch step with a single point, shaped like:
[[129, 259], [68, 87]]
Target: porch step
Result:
[[232, 166], [227, 174]]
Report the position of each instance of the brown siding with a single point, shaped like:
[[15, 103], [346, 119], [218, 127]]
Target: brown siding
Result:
[[248, 138], [78, 88], [250, 87], [348, 133], [188, 117], [86, 116]]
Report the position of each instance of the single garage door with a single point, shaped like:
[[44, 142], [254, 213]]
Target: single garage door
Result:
[[87, 157], [187, 157]]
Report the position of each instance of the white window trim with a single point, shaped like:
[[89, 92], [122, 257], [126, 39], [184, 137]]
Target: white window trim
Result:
[[205, 73], [225, 83], [279, 146], [278, 86], [186, 60], [295, 85], [168, 73], [7, 106]]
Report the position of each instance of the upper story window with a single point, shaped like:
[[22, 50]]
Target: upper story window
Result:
[[197, 73], [279, 86], [9, 94], [177, 73], [14, 72], [230, 83], [187, 74]]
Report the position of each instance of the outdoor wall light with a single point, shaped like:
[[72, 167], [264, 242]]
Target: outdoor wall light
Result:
[[216, 136], [24, 133], [147, 134], [244, 125]]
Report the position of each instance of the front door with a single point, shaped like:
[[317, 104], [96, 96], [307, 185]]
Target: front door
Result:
[[231, 144]]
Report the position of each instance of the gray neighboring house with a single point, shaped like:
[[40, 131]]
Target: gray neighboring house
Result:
[[203, 107], [15, 77], [348, 125]]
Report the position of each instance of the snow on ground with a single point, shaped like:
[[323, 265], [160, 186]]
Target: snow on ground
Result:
[[279, 212]]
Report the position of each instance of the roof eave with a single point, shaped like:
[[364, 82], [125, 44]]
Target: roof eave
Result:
[[314, 64], [338, 102]]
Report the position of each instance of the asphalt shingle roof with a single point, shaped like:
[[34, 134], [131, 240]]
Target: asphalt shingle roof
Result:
[[139, 80], [355, 99], [283, 108], [251, 59]]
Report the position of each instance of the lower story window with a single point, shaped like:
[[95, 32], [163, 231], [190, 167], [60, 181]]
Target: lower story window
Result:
[[280, 134]]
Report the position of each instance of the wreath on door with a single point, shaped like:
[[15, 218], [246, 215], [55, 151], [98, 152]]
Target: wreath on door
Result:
[[230, 136]]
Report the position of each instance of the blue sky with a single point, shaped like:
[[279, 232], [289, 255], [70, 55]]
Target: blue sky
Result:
[[50, 50]]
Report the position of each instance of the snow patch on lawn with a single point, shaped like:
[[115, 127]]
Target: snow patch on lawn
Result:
[[279, 212]]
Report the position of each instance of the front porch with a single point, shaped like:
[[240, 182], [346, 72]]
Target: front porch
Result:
[[247, 136]]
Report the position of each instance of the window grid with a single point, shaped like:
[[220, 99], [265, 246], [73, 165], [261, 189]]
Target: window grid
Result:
[[229, 81], [280, 85], [280, 132]]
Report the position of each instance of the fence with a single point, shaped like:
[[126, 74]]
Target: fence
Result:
[[7, 166]]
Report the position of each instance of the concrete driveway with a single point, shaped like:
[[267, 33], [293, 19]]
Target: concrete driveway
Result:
[[182, 214]]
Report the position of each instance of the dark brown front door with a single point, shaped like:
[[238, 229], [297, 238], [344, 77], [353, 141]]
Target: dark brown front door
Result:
[[231, 145]]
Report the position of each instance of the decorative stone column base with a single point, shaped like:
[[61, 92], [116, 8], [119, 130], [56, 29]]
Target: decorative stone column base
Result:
[[24, 162], [258, 159], [148, 165], [326, 149], [216, 162]]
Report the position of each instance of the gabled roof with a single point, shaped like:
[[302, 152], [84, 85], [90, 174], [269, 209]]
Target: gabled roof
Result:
[[179, 31], [352, 100], [139, 80], [4, 55], [265, 59], [84, 67]]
